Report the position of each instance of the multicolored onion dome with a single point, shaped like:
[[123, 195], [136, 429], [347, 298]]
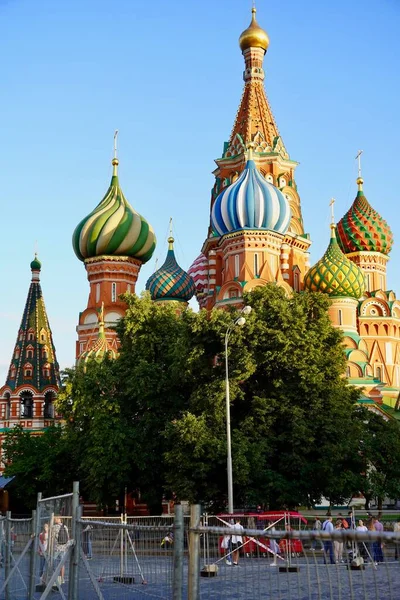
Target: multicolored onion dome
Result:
[[250, 202], [101, 347], [254, 36], [362, 229], [199, 273], [36, 265], [114, 228], [171, 282], [335, 274]]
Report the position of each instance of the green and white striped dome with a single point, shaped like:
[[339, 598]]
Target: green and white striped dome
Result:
[[114, 228]]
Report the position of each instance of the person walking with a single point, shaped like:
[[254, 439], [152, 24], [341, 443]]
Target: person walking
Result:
[[317, 526], [43, 544], [327, 526], [237, 540], [60, 540], [377, 545], [362, 548], [338, 544]]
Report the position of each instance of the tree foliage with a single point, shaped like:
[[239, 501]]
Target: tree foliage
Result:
[[155, 418]]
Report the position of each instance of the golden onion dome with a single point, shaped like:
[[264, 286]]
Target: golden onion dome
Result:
[[254, 36]]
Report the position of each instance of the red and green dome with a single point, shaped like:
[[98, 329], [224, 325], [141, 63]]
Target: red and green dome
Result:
[[362, 229], [335, 274]]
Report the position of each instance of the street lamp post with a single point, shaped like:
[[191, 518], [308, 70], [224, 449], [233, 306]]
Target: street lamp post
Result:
[[240, 321]]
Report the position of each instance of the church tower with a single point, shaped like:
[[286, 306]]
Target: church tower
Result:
[[33, 378], [113, 242], [256, 232]]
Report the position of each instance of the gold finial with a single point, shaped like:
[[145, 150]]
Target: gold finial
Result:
[[250, 149], [360, 180], [254, 36], [333, 226], [170, 238], [115, 161]]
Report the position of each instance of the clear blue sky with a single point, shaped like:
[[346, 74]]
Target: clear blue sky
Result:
[[168, 75]]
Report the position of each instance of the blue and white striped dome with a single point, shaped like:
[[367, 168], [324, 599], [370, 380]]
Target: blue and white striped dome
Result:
[[250, 202]]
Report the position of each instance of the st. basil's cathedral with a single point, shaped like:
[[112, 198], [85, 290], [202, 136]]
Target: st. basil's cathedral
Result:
[[256, 236]]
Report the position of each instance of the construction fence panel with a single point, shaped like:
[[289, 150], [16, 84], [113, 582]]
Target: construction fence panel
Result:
[[15, 547], [297, 564], [126, 559]]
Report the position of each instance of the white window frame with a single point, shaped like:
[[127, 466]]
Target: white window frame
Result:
[[237, 265]]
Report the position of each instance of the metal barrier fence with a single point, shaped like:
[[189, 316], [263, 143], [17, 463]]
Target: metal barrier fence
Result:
[[61, 555], [297, 564]]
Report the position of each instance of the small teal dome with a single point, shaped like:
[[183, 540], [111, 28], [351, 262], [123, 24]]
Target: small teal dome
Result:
[[171, 282], [250, 202]]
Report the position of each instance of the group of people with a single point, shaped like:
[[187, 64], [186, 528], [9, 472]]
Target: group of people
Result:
[[54, 541], [334, 549]]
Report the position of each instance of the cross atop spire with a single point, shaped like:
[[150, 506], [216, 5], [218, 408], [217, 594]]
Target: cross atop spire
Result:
[[360, 180], [333, 226], [115, 161]]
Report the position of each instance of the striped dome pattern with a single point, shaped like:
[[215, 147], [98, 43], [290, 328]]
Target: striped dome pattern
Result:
[[250, 202], [362, 229], [170, 281], [114, 228], [335, 274], [199, 273]]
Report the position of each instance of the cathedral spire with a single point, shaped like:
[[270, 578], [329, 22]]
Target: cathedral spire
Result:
[[254, 120], [34, 364]]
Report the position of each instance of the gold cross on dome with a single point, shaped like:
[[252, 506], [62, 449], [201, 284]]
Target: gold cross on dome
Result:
[[358, 158], [115, 143], [331, 204]]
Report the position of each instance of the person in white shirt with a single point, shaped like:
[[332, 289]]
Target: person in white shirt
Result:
[[327, 526], [237, 540]]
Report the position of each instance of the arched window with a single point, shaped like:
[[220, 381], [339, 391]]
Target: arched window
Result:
[[237, 265], [45, 352], [13, 371], [48, 405], [378, 373], [97, 292], [269, 178], [7, 412], [282, 182], [28, 370], [113, 292], [128, 289], [255, 265], [27, 405], [31, 336], [340, 318], [17, 352], [296, 282], [46, 371], [29, 352]]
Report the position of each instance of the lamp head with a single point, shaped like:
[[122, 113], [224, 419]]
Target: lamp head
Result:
[[246, 310], [240, 321]]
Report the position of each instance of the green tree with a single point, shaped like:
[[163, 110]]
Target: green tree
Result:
[[38, 463], [379, 452]]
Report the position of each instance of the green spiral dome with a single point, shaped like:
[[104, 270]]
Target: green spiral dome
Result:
[[335, 274], [114, 228]]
